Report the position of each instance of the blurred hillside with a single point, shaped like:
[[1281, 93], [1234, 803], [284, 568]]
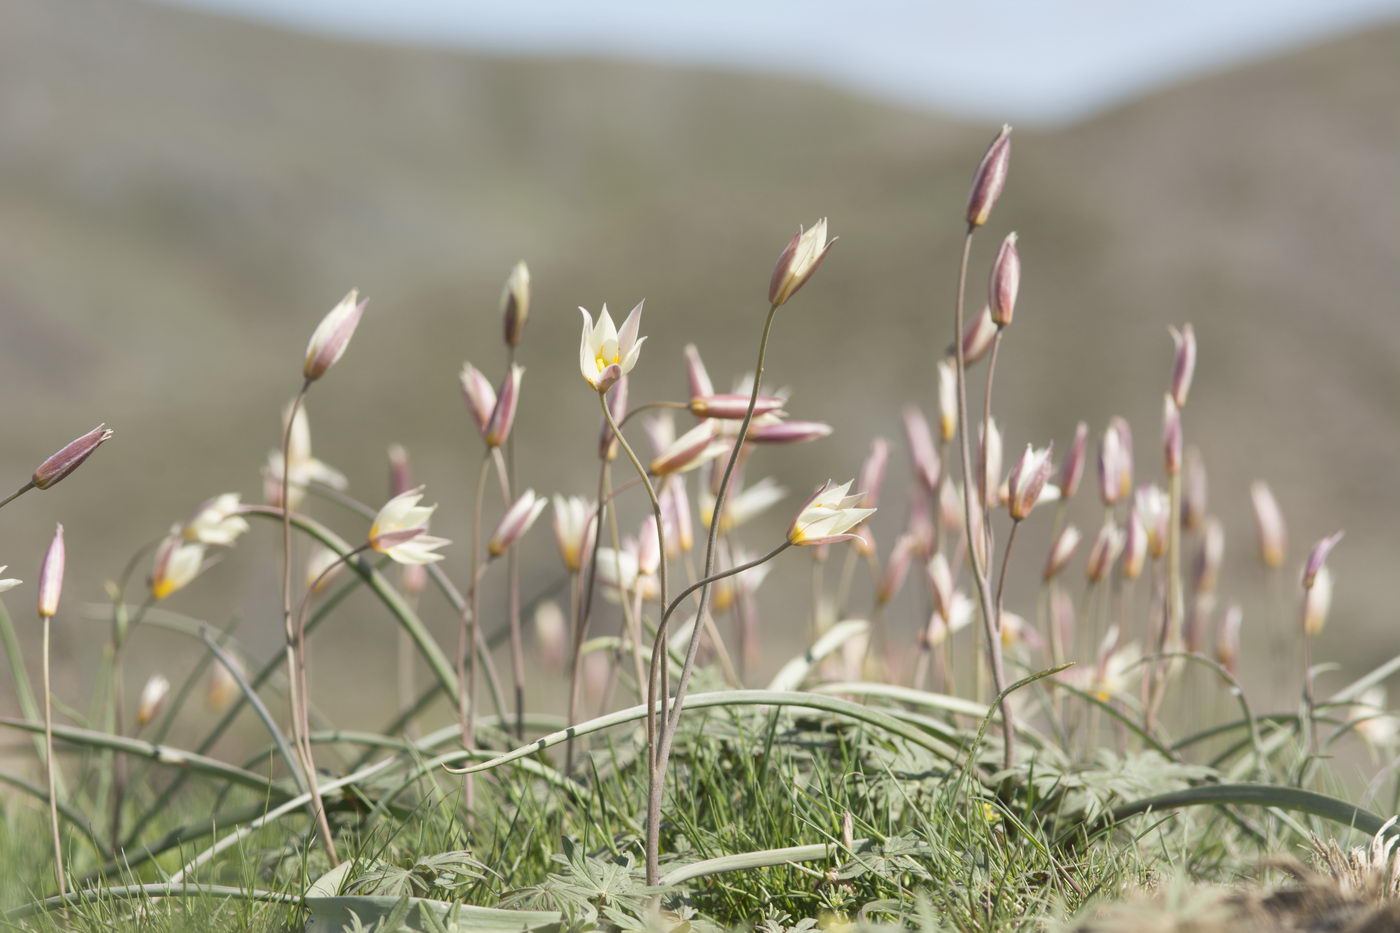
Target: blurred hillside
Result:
[[184, 196]]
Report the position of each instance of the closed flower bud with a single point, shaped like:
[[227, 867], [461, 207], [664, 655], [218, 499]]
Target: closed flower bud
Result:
[[1110, 466], [947, 399], [51, 576], [1171, 436], [977, 338], [1209, 557], [1104, 552], [989, 464], [1005, 282], [828, 516], [1134, 548], [515, 303], [1318, 558], [940, 582], [479, 394], [896, 568], [1268, 521], [732, 407], [798, 261], [872, 472], [332, 336], [694, 448], [573, 521], [517, 520], [1195, 492], [1317, 602], [152, 699], [787, 432], [503, 415], [989, 179], [177, 562], [696, 376], [1183, 364], [1072, 468], [1153, 510], [1227, 639], [927, 467], [1066, 542], [69, 458], [1027, 481]]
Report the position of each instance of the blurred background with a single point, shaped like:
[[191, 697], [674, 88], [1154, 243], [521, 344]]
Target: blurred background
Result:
[[186, 188]]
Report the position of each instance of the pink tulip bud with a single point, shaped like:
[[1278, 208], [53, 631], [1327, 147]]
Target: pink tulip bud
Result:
[[517, 520], [1195, 493], [1210, 556], [732, 407], [1184, 363], [872, 472], [896, 569], [51, 576], [1005, 281], [699, 379], [1027, 481], [798, 262], [515, 303], [977, 338], [924, 455], [479, 395], [1268, 521], [1227, 639], [617, 404], [1171, 436], [503, 415], [1072, 468], [332, 336], [787, 432], [1104, 552], [989, 179], [1317, 558], [1066, 542], [69, 458]]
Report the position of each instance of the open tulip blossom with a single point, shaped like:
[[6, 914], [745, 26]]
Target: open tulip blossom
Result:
[[606, 354], [828, 516], [400, 530]]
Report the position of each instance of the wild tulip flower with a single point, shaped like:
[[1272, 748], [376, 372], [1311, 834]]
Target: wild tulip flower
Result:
[[989, 464], [1268, 521], [694, 448], [1005, 282], [733, 406], [1183, 363], [1125, 455], [940, 581], [503, 414], [1072, 469], [479, 394], [1027, 481], [617, 407], [828, 516], [771, 430], [515, 303], [977, 337], [605, 353], [217, 521], [400, 530], [551, 634], [798, 262], [517, 520], [696, 375], [573, 518], [1135, 547], [1195, 490], [1110, 466], [947, 399], [1152, 509], [649, 547], [303, 468], [1317, 602], [1105, 551], [177, 562], [332, 336], [989, 179], [896, 568], [1171, 436], [1209, 557], [70, 457], [1061, 551], [1379, 729], [51, 576], [922, 452], [1318, 557], [152, 699]]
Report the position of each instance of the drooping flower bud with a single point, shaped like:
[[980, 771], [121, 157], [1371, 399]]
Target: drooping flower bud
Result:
[[1227, 639], [1005, 282], [1195, 493], [479, 394], [872, 472], [515, 303], [733, 407], [922, 453], [1183, 364], [1072, 468], [1061, 551], [152, 699], [503, 414], [1317, 558], [51, 576], [947, 399], [1104, 552], [797, 262], [989, 179], [1268, 521], [332, 336], [69, 458], [698, 378], [517, 520], [1171, 436], [787, 432], [1027, 481]]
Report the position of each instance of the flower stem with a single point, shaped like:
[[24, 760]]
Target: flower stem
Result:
[[467, 634], [17, 493], [517, 645], [992, 636], [658, 773], [52, 767]]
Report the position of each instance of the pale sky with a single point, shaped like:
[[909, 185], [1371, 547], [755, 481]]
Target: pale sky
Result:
[[1021, 60]]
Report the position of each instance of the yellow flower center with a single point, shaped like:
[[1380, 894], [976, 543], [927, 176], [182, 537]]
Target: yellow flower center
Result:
[[603, 362]]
